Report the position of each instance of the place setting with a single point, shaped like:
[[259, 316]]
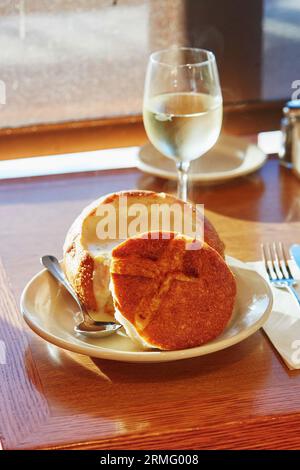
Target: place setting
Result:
[[56, 302], [52, 313], [145, 295]]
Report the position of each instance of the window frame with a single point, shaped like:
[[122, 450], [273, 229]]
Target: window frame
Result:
[[76, 136]]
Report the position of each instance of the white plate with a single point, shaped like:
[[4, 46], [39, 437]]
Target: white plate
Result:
[[229, 158], [49, 310]]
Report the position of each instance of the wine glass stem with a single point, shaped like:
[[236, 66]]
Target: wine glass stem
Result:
[[182, 185]]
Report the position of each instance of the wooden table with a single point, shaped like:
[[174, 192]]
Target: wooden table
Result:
[[242, 397]]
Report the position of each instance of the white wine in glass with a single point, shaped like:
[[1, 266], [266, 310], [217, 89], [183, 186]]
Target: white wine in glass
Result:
[[182, 106]]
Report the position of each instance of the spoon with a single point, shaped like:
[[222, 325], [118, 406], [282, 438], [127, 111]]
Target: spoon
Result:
[[88, 327]]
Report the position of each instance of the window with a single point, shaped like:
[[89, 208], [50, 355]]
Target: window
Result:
[[72, 60]]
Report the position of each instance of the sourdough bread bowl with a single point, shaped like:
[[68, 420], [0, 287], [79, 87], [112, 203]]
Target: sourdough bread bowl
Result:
[[87, 257]]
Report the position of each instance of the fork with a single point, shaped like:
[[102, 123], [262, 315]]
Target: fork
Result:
[[277, 267]]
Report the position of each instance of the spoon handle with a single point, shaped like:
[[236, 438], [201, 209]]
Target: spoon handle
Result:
[[52, 265], [89, 327]]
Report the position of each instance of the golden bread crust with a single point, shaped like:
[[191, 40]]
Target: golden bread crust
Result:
[[175, 298], [79, 267], [80, 263]]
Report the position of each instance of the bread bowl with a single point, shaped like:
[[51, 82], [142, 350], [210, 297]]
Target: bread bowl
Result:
[[87, 258]]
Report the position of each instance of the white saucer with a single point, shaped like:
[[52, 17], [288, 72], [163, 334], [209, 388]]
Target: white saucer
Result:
[[50, 311], [231, 157]]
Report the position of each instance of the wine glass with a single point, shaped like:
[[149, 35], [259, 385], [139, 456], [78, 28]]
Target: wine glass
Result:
[[182, 108]]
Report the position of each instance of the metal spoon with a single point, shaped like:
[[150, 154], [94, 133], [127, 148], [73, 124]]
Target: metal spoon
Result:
[[88, 327]]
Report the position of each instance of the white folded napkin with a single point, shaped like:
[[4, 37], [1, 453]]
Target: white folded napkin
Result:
[[283, 325]]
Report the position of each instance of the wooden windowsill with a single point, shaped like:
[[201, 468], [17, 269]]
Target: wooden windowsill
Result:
[[52, 139]]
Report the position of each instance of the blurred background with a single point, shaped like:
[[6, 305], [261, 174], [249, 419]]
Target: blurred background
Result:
[[76, 60]]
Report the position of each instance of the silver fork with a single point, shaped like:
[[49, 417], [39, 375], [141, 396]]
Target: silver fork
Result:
[[277, 267]]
